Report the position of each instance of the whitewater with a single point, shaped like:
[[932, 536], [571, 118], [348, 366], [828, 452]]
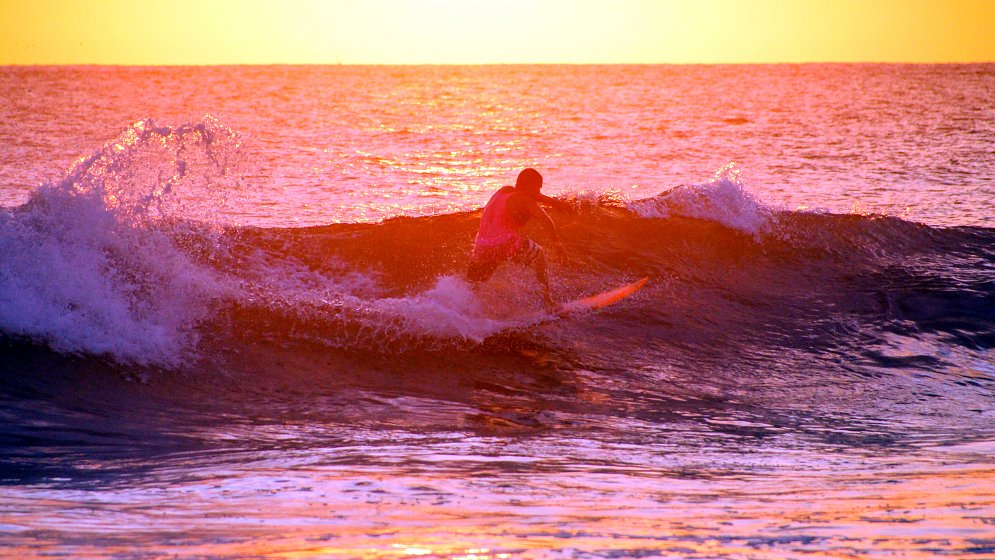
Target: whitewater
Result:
[[234, 323]]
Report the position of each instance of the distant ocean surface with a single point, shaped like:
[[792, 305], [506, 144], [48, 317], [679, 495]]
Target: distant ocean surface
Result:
[[233, 322]]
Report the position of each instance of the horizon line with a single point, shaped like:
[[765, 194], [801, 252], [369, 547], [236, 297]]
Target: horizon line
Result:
[[469, 64]]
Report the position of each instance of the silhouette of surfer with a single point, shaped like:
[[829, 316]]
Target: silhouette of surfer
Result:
[[499, 238]]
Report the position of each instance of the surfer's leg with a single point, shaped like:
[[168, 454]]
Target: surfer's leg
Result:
[[540, 268], [532, 254]]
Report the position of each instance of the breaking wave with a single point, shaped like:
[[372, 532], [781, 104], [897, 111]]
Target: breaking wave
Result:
[[125, 259]]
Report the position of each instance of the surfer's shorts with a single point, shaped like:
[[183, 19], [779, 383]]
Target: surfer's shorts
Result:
[[529, 252]]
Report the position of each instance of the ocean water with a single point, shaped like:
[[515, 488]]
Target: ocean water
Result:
[[233, 322]]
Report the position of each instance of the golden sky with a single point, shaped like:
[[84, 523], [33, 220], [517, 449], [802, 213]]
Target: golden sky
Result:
[[152, 32]]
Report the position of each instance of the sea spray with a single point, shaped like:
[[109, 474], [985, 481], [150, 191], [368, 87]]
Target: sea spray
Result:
[[91, 264], [724, 199], [450, 309]]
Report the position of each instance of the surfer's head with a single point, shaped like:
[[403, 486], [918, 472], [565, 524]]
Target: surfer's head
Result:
[[529, 181]]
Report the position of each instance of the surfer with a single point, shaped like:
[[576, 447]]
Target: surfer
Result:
[[500, 239]]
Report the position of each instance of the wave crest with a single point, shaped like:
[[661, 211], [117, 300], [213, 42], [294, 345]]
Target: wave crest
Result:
[[724, 199], [95, 263]]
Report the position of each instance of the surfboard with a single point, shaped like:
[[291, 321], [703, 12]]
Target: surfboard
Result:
[[597, 301]]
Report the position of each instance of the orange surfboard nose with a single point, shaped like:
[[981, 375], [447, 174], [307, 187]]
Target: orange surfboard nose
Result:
[[603, 299]]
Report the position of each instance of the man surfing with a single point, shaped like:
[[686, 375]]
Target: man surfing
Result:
[[500, 239]]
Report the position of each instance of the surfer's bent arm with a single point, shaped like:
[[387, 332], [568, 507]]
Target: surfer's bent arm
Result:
[[561, 205], [547, 224]]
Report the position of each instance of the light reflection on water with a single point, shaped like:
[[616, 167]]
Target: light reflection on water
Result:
[[657, 462], [320, 139], [450, 495]]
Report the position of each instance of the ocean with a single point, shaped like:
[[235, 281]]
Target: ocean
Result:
[[234, 323]]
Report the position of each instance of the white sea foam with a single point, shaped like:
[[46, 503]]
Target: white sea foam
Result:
[[724, 199], [76, 276], [450, 309], [91, 264]]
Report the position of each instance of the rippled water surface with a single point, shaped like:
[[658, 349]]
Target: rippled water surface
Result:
[[345, 143]]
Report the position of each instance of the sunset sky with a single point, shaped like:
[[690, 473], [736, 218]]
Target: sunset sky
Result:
[[494, 31]]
